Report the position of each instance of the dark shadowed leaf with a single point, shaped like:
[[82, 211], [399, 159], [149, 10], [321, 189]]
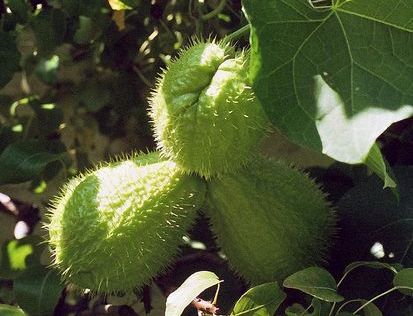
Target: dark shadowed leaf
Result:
[[94, 95], [315, 281], [317, 308], [262, 300], [22, 161], [38, 290], [319, 81], [404, 280], [48, 117], [20, 9], [49, 26], [84, 34], [369, 310], [295, 310], [374, 224], [193, 286], [9, 58]]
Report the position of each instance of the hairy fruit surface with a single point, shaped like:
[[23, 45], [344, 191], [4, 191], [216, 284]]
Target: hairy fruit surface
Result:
[[115, 228], [204, 112], [270, 220]]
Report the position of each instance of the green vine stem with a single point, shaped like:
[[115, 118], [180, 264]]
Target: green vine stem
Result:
[[346, 303], [237, 34], [306, 310], [341, 281], [214, 12], [381, 295]]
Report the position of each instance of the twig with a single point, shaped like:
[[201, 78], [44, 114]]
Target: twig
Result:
[[204, 306]]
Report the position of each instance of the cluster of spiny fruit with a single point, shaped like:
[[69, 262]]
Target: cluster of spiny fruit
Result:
[[114, 228]]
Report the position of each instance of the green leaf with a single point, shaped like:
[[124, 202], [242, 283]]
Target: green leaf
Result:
[[404, 279], [38, 290], [48, 117], [17, 255], [9, 58], [7, 310], [20, 9], [123, 4], [369, 264], [94, 95], [84, 34], [24, 160], [325, 83], [14, 254], [376, 162], [188, 291], [372, 310], [295, 310], [47, 69], [49, 27], [262, 300], [315, 281], [319, 308], [369, 310]]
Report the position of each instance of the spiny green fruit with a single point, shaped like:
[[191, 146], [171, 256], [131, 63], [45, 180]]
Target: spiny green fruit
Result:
[[116, 227], [270, 220], [204, 112]]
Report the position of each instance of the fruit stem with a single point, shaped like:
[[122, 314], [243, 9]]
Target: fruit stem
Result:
[[237, 34]]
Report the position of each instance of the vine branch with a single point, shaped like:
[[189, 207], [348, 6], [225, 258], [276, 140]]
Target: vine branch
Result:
[[215, 12]]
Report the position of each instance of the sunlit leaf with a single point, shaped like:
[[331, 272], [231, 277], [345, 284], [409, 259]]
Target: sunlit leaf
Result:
[[16, 255], [123, 4], [7, 310], [193, 286]]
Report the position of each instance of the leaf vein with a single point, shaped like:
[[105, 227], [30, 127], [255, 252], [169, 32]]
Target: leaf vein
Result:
[[402, 28]]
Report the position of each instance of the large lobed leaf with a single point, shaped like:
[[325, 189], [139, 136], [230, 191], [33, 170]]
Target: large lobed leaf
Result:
[[334, 79]]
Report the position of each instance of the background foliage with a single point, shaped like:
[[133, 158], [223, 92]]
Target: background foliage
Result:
[[74, 78]]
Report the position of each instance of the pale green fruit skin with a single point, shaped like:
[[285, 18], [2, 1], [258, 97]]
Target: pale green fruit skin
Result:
[[270, 220], [115, 228], [204, 112]]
